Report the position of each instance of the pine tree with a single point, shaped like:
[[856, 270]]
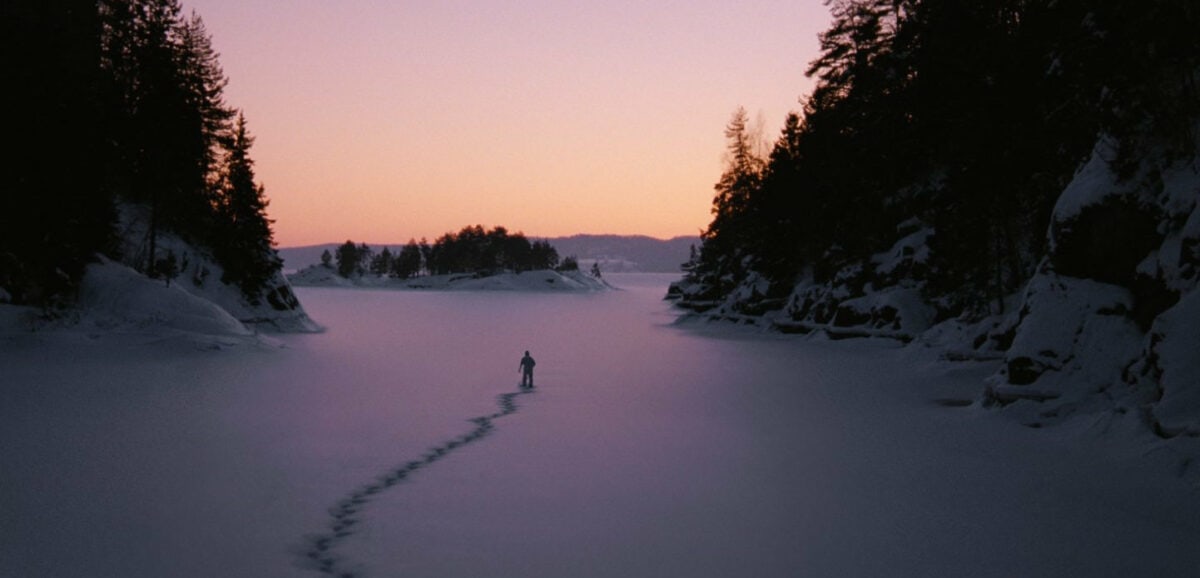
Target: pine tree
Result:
[[381, 263], [204, 82], [245, 245], [729, 234], [742, 177], [407, 263], [347, 259], [365, 254]]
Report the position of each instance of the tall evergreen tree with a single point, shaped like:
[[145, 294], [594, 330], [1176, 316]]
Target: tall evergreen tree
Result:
[[204, 82], [728, 235], [245, 245]]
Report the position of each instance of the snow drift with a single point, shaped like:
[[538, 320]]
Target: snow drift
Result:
[[194, 303], [274, 309]]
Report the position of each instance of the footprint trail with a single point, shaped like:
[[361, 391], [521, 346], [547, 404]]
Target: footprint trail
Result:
[[319, 550]]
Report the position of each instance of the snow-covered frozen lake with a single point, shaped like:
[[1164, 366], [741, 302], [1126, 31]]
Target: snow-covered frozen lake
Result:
[[647, 449]]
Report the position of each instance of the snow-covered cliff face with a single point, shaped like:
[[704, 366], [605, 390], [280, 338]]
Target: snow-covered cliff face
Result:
[[1111, 321]]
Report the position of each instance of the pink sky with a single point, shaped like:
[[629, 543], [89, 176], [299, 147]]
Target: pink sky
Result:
[[384, 120]]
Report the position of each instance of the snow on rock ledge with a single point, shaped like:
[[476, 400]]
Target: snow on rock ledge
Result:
[[1074, 337], [1111, 322]]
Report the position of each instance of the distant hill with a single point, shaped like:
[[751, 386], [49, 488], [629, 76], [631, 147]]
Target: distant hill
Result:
[[627, 253], [614, 253]]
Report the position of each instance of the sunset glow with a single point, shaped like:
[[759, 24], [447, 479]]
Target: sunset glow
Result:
[[381, 121]]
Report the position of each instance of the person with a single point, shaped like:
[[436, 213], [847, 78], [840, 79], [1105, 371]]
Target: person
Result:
[[526, 369]]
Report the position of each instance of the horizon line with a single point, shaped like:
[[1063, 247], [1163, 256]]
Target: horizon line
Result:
[[535, 237]]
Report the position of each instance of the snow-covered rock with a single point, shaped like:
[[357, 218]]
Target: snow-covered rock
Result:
[[114, 297], [897, 309], [1172, 363], [318, 276], [1073, 339], [1110, 322], [274, 309]]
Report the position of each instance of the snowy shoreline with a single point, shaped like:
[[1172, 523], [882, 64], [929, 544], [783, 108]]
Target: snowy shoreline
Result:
[[543, 280], [115, 302]]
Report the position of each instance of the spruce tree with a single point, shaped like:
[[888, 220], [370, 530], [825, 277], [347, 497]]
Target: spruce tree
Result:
[[244, 247]]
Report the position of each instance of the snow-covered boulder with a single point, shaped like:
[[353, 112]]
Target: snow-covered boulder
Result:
[[908, 258], [318, 276], [115, 298], [1111, 322], [894, 311], [1076, 330]]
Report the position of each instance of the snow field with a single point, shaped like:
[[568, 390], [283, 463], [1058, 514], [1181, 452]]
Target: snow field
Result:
[[649, 448]]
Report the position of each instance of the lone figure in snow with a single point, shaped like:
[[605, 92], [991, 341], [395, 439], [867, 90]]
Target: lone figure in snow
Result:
[[526, 369]]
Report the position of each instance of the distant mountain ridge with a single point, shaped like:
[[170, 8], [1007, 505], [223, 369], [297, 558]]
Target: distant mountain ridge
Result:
[[614, 253]]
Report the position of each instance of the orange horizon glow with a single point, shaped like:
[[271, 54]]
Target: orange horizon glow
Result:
[[391, 121]]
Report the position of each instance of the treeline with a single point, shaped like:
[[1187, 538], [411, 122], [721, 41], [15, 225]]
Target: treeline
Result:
[[122, 102], [471, 250], [963, 118]]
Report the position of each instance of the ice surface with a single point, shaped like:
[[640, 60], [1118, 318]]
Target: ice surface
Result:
[[647, 449]]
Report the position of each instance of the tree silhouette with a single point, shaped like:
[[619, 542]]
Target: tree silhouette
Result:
[[244, 247], [407, 263], [128, 94], [963, 118], [347, 259]]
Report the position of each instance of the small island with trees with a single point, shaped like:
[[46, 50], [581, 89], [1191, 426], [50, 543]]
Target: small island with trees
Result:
[[474, 258]]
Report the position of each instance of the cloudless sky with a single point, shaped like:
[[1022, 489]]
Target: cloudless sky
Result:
[[383, 120]]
